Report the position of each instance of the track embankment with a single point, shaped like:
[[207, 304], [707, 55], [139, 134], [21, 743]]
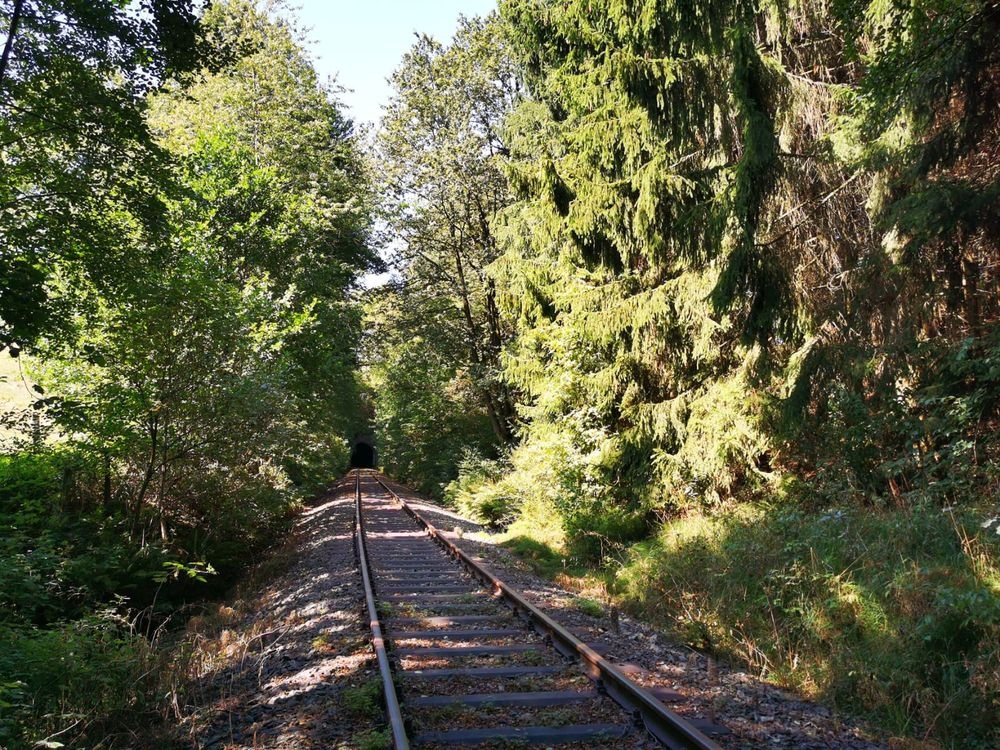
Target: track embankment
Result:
[[290, 663], [287, 664]]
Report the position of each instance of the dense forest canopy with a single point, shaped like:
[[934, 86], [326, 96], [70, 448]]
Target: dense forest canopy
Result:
[[699, 300]]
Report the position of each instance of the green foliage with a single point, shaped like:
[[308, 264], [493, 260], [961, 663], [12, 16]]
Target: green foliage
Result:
[[477, 494], [364, 701], [542, 557], [58, 565], [74, 682], [649, 258], [436, 334], [750, 248], [223, 367], [193, 334], [687, 187], [75, 146], [374, 740], [427, 411], [588, 606], [894, 614], [926, 439]]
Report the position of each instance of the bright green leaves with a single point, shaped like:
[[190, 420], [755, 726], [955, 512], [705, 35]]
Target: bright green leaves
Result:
[[213, 361], [74, 144], [434, 354]]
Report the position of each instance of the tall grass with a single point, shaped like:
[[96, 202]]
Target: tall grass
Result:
[[894, 614]]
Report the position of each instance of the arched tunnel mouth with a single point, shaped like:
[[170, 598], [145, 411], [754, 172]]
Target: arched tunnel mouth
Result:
[[363, 455]]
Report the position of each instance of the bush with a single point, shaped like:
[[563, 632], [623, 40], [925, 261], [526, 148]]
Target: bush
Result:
[[931, 435], [58, 562], [478, 494], [72, 565], [84, 677], [894, 614]]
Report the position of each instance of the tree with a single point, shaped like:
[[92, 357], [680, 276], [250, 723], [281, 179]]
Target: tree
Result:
[[222, 366], [428, 413], [74, 77], [718, 219], [438, 150]]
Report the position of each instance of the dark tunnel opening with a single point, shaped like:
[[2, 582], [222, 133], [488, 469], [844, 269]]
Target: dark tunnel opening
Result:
[[362, 456]]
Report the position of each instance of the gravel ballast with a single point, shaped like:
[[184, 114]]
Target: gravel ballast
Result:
[[756, 714]]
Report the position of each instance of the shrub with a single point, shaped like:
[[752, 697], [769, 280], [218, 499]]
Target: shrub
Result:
[[895, 614], [80, 679]]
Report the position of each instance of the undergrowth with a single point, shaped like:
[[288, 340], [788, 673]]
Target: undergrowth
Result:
[[87, 605], [892, 614]]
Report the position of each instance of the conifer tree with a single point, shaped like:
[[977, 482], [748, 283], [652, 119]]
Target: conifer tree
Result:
[[712, 203]]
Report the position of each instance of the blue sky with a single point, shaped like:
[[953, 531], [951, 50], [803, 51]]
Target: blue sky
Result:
[[361, 41]]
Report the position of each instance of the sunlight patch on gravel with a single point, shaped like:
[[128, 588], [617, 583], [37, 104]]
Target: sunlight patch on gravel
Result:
[[274, 676]]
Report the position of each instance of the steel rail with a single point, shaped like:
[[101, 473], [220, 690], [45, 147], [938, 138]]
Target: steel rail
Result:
[[395, 715], [668, 727]]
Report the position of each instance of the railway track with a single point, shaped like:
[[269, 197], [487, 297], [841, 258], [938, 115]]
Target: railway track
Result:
[[466, 661]]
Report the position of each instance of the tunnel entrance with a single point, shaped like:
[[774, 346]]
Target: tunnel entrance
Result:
[[362, 455]]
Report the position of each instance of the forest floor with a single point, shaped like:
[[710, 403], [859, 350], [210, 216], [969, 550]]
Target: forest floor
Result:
[[286, 664]]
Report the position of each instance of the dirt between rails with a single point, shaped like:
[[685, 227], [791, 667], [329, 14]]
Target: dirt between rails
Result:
[[287, 664]]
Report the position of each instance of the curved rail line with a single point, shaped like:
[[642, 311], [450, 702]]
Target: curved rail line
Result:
[[408, 571]]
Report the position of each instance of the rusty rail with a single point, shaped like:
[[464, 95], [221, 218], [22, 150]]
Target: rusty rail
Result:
[[393, 712], [670, 728]]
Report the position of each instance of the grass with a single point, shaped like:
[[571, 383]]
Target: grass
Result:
[[588, 606], [321, 643], [373, 740], [537, 537], [543, 558], [13, 392], [365, 700], [891, 614]]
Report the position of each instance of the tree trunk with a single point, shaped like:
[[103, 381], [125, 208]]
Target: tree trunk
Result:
[[162, 491], [164, 534], [466, 304], [970, 280], [497, 419], [15, 20], [106, 494], [150, 464], [505, 409]]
